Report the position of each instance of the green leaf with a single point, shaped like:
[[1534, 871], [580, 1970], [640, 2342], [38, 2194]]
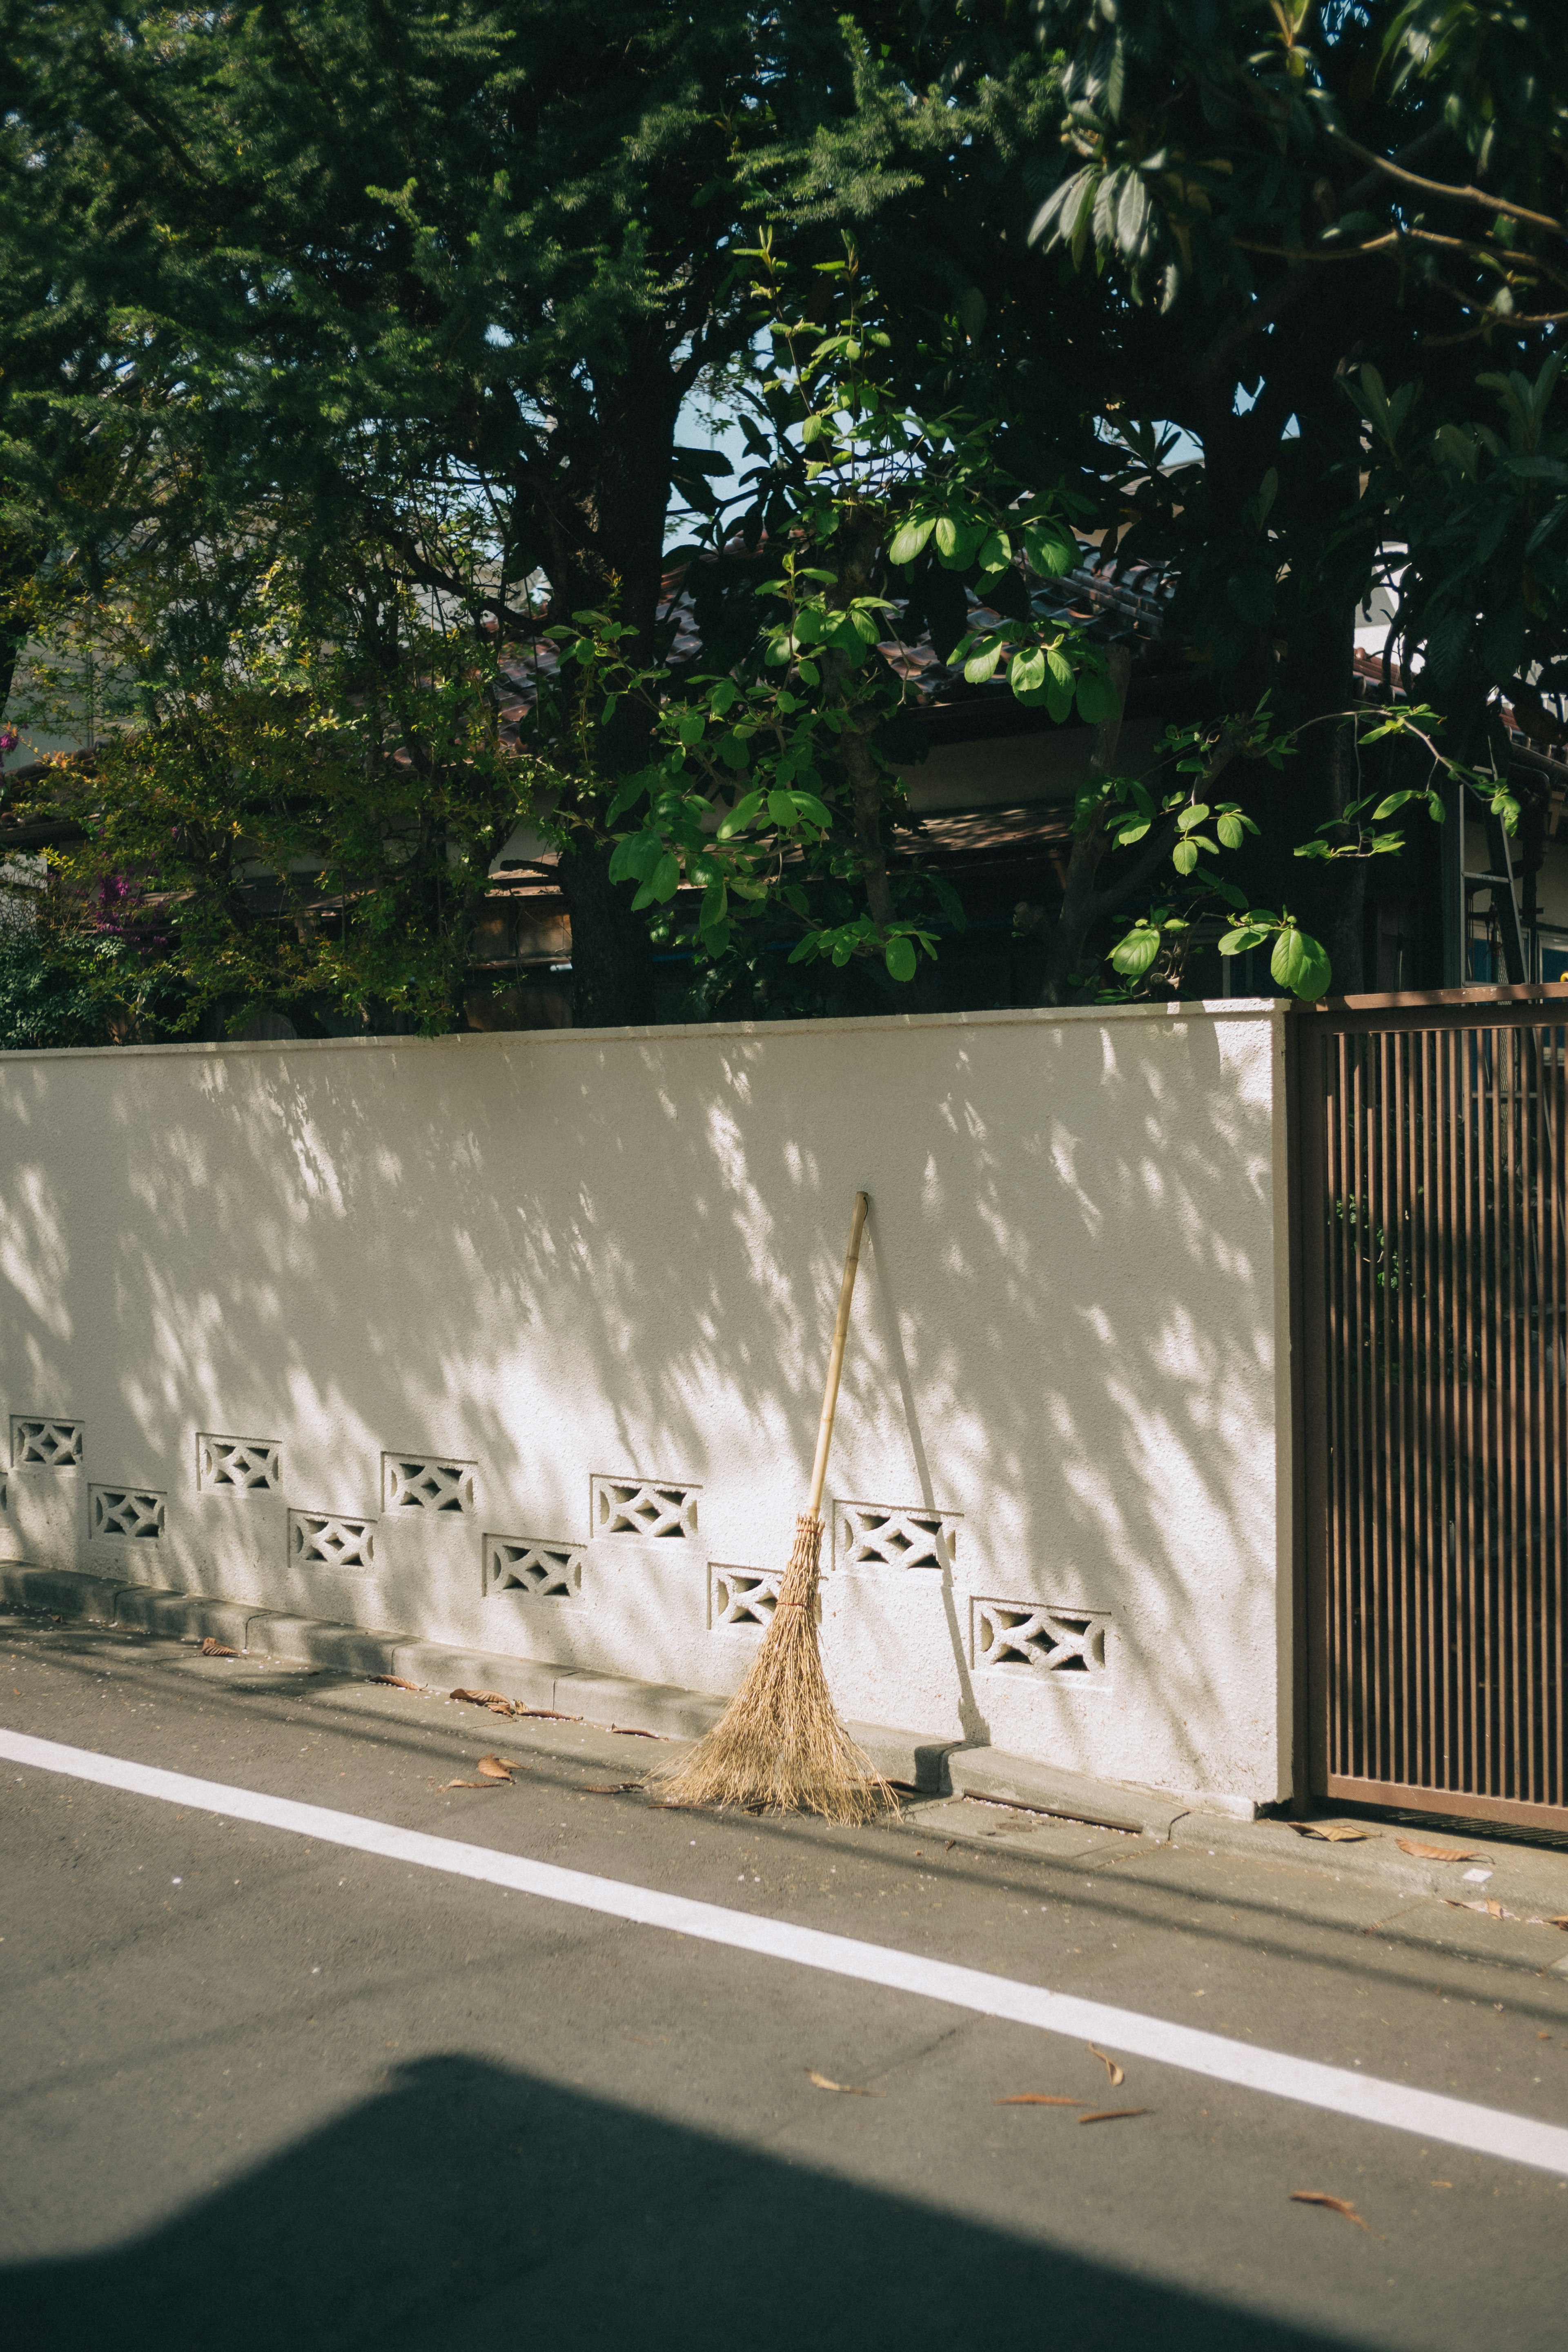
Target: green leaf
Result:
[[981, 666], [1192, 816], [629, 793], [690, 727], [1133, 955], [1230, 831], [900, 957], [1242, 940], [1300, 963], [946, 535], [813, 811], [909, 538], [1049, 549], [781, 808], [1184, 856], [742, 814], [1028, 673], [1096, 698]]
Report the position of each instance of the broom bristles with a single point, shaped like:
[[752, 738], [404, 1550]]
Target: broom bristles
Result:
[[779, 1745]]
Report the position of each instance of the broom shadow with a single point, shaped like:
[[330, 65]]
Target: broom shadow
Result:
[[976, 1730]]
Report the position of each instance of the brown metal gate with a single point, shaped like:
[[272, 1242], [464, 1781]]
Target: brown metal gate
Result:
[[1433, 1302]]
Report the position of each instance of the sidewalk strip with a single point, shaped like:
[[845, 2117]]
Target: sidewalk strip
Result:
[[1484, 2131]]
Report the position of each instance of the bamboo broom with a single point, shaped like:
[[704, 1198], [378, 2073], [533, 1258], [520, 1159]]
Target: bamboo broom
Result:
[[779, 1745]]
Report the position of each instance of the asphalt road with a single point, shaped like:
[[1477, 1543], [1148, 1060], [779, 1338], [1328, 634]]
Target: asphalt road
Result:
[[259, 2091]]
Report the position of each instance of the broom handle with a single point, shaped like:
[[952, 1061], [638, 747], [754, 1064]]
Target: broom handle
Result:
[[836, 1360]]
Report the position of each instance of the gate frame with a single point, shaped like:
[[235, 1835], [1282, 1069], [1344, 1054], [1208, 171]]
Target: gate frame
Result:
[[1306, 1178]]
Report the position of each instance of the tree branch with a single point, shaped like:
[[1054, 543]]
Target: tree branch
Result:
[[1466, 195]]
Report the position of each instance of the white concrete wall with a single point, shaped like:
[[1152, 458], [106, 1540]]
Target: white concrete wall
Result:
[[563, 1256]]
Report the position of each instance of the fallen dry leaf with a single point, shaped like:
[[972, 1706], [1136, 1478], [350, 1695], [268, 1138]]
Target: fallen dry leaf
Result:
[[1038, 2099], [494, 1767], [1336, 1833], [1117, 2076], [211, 1649], [1558, 1919], [1335, 2205], [630, 1731], [609, 1788], [469, 1784], [1436, 1853], [1490, 1908], [1111, 2115], [850, 2090], [949, 1846], [485, 1698], [397, 1682]]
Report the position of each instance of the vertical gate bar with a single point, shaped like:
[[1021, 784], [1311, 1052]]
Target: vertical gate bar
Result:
[[1391, 1613], [1491, 1396], [1533, 1564], [1465, 1456], [1432, 1410], [1365, 1765], [1497, 1428], [1402, 1650], [1410, 1547], [1374, 1458], [1343, 1651], [1515, 1565], [1448, 1400], [1519, 1454], [1417, 1330], [1310, 1045], [1499, 1682], [1350, 1468], [1374, 1715], [1457, 1407], [1552, 1210], [1519, 1382], [1330, 1701]]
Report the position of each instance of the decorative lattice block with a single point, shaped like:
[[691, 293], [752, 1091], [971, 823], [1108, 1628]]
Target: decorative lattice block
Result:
[[636, 1507], [238, 1466], [745, 1597], [426, 1482], [1020, 1637], [889, 1535], [37, 1444], [550, 1571], [124, 1511], [326, 1539]]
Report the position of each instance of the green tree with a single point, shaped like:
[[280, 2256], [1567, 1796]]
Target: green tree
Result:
[[487, 247]]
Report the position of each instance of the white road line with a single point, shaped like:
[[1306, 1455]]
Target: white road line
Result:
[[1485, 2131]]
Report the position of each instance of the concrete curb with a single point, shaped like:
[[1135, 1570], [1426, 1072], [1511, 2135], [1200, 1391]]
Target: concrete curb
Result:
[[1525, 1877], [1000, 1780], [912, 1758]]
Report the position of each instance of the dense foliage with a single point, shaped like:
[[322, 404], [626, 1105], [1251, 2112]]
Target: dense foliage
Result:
[[329, 336]]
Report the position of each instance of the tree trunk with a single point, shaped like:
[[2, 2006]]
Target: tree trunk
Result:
[[612, 954], [866, 795]]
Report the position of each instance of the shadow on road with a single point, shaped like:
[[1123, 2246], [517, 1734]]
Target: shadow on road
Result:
[[470, 2206]]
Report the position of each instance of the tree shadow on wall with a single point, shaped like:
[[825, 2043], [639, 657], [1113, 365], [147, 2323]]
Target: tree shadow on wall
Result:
[[622, 1255], [471, 2206]]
